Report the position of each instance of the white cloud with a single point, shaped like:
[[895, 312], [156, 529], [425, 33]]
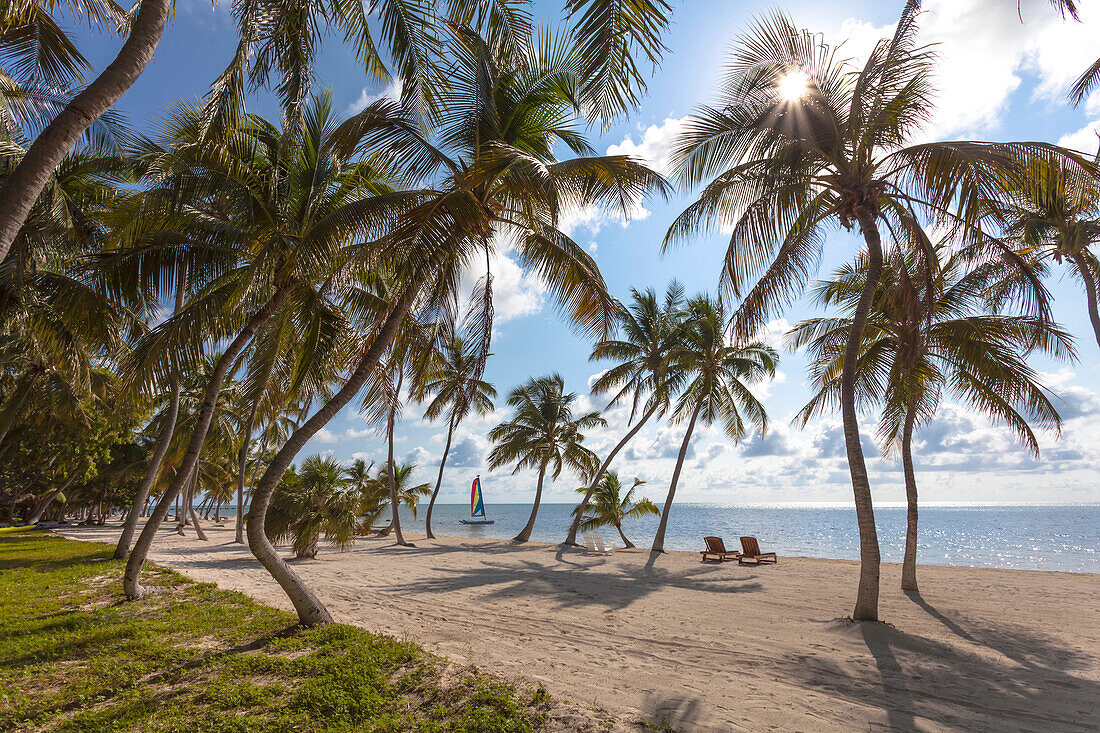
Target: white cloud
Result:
[[366, 98], [324, 435], [1084, 140], [982, 48], [656, 144]]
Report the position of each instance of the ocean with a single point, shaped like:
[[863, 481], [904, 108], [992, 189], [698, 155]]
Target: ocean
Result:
[[1020, 536]]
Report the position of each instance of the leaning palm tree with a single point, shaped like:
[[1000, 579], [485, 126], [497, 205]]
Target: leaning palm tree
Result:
[[543, 435], [1053, 215], [717, 374], [313, 502], [495, 179], [650, 330], [457, 389], [609, 507], [930, 332], [268, 212], [802, 141]]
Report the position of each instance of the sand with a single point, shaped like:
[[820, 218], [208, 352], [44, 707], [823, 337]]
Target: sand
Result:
[[713, 647]]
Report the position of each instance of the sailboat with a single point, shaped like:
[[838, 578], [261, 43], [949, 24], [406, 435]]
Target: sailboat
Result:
[[477, 505]]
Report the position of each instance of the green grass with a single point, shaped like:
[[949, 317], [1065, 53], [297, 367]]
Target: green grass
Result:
[[13, 530], [74, 656]]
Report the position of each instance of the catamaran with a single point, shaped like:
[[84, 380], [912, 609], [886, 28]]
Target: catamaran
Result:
[[477, 505]]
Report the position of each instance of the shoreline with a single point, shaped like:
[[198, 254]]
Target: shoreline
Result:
[[715, 646]]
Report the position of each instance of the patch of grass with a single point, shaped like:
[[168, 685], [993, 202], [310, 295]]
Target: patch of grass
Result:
[[76, 658]]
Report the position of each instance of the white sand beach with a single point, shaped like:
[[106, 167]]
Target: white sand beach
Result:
[[712, 647]]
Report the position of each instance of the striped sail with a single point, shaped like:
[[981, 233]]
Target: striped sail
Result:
[[477, 505]]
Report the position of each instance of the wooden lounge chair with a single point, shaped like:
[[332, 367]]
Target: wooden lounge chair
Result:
[[750, 552], [716, 550], [594, 543]]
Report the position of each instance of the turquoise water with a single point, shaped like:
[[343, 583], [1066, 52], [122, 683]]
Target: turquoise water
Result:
[[1031, 537], [1020, 536]]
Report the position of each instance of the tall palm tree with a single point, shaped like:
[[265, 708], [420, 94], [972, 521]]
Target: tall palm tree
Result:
[[268, 213], [1053, 214], [494, 177], [312, 502], [610, 507], [930, 332], [544, 435], [457, 389], [650, 330], [803, 140], [717, 374]]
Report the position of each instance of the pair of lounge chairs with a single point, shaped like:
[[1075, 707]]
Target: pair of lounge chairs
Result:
[[750, 552], [594, 543]]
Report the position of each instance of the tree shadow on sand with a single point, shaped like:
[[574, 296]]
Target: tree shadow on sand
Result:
[[916, 678], [597, 584]]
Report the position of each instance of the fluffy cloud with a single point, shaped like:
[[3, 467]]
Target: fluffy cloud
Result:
[[656, 145], [983, 48], [366, 98]]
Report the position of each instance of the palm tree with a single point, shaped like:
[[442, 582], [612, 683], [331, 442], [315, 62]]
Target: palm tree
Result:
[[457, 388], [313, 502], [803, 140], [268, 212], [609, 507], [650, 330], [1053, 214], [929, 332], [490, 183], [543, 434], [717, 376], [377, 494]]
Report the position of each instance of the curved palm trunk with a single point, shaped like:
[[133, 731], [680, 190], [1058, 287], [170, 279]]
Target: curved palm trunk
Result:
[[438, 480], [525, 534], [626, 543], [1090, 293], [242, 465], [43, 505], [395, 522], [571, 538], [131, 584], [161, 449], [309, 608], [659, 538], [30, 177], [866, 608], [909, 562], [191, 507]]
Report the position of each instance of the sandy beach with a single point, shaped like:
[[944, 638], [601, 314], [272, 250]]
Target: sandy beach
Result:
[[712, 647]]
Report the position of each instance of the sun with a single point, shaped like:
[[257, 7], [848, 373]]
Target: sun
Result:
[[792, 86]]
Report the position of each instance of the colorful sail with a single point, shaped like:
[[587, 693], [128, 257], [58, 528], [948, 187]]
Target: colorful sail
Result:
[[477, 505]]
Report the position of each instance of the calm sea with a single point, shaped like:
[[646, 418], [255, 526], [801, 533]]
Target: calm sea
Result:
[[1021, 536]]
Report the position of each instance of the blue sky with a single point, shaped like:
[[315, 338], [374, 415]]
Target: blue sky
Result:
[[1000, 79]]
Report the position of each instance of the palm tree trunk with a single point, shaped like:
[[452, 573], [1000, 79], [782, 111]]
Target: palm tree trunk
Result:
[[30, 177], [866, 608], [1086, 274], [191, 508], [659, 538], [525, 535], [395, 523], [439, 479], [39, 510], [131, 584], [626, 543], [909, 563], [571, 538], [163, 442], [309, 608], [242, 465]]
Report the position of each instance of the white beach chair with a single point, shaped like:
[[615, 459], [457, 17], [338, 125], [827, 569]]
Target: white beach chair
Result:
[[594, 543]]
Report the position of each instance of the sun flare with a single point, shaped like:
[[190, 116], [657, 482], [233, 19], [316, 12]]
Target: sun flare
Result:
[[793, 85]]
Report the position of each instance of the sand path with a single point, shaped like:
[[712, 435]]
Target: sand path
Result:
[[714, 647]]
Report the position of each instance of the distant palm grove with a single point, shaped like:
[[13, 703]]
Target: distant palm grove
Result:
[[186, 302]]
